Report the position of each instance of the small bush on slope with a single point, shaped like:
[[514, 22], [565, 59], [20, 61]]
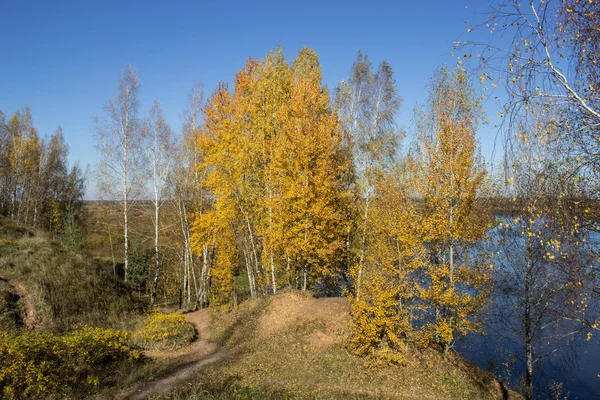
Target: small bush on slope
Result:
[[162, 331], [34, 365]]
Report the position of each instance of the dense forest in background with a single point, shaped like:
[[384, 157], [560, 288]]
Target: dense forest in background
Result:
[[279, 182]]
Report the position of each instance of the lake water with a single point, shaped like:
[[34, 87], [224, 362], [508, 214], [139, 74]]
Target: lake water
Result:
[[574, 368]]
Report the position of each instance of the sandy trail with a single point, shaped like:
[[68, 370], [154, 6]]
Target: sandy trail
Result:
[[30, 318], [186, 361]]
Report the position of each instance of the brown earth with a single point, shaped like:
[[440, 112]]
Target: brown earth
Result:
[[287, 309], [29, 318]]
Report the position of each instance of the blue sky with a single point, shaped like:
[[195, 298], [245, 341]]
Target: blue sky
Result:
[[63, 58]]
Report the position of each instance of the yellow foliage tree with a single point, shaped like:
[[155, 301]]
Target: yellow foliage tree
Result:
[[450, 178], [309, 221], [211, 228], [367, 104], [382, 317], [272, 166]]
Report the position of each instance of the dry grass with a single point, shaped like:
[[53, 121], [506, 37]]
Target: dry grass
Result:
[[292, 346], [11, 308], [64, 287]]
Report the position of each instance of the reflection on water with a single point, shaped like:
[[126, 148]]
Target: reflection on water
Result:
[[571, 370]]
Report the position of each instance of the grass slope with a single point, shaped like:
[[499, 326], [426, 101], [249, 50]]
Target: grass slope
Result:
[[292, 346], [64, 287], [47, 294], [11, 308]]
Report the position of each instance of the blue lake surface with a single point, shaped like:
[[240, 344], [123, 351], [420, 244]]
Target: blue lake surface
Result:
[[575, 368]]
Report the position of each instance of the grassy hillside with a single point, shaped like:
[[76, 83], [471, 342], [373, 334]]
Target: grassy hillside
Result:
[[63, 288], [292, 346], [68, 328]]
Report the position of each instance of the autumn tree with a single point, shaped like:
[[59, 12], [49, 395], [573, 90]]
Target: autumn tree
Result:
[[239, 145], [543, 278], [58, 190], [271, 163], [53, 175], [450, 177], [4, 164], [218, 144], [544, 53], [239, 142], [117, 136], [24, 158], [191, 200], [269, 122], [36, 185], [383, 317], [309, 219], [367, 104]]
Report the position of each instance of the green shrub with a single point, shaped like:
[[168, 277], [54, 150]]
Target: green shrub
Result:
[[72, 233], [137, 274], [12, 230]]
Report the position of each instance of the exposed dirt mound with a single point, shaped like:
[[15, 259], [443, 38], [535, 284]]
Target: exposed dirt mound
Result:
[[292, 309]]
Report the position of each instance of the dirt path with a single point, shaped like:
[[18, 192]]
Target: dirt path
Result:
[[185, 361], [30, 317]]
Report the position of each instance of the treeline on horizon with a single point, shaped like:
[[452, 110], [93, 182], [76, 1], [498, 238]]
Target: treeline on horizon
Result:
[[498, 206], [277, 182]]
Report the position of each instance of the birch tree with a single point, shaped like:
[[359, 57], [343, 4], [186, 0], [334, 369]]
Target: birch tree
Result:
[[159, 145], [368, 103], [545, 280], [117, 137], [36, 186], [543, 52], [309, 214], [24, 154], [4, 164], [191, 200], [219, 145], [272, 165], [270, 122], [449, 177], [383, 316]]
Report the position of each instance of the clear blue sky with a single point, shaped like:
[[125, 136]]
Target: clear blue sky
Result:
[[63, 58]]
